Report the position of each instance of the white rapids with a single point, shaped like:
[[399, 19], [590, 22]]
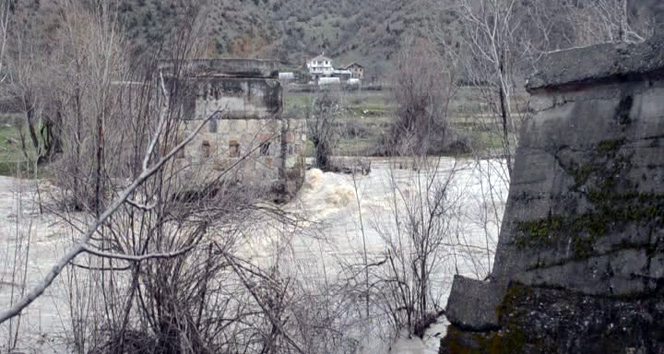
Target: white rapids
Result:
[[339, 217]]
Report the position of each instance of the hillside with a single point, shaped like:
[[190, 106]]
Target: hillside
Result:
[[368, 32], [291, 30], [365, 31]]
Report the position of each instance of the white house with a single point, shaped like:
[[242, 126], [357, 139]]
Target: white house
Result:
[[320, 66]]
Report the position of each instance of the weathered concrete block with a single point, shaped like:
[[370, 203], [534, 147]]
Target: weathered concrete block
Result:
[[542, 103], [597, 63], [473, 304], [585, 212], [545, 320]]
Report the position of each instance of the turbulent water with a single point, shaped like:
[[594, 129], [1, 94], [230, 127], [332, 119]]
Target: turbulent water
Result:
[[344, 214], [340, 218]]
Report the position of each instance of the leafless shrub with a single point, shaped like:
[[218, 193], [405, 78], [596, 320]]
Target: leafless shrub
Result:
[[422, 89], [322, 115], [352, 129], [419, 237], [155, 268], [16, 261]]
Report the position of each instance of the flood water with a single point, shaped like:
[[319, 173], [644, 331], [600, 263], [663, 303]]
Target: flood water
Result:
[[340, 219], [344, 214]]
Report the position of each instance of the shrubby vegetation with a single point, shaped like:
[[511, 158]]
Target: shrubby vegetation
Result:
[[422, 89]]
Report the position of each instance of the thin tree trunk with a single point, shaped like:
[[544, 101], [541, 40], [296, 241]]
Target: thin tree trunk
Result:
[[505, 115], [100, 158], [31, 129]]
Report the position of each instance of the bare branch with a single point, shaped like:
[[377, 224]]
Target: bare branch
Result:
[[137, 258], [144, 207], [160, 126], [39, 289], [256, 297]]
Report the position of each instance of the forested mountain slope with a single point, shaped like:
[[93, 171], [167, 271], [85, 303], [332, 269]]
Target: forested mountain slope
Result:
[[292, 30], [367, 31]]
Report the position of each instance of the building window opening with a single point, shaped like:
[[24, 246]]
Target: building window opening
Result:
[[205, 146], [213, 125], [265, 148], [234, 149]]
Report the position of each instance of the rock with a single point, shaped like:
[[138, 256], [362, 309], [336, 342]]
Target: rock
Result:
[[473, 305], [543, 320]]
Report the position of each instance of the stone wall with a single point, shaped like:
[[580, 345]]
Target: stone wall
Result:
[[580, 261], [237, 98], [242, 68], [247, 140]]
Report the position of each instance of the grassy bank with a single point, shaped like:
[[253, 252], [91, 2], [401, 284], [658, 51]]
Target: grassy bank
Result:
[[369, 114], [13, 161]]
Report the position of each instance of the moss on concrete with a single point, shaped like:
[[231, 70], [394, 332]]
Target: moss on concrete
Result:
[[583, 230], [514, 337], [609, 146], [612, 206], [545, 320], [581, 174], [586, 229]]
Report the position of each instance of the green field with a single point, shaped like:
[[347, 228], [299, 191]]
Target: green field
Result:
[[371, 112], [12, 157], [368, 116], [359, 103]]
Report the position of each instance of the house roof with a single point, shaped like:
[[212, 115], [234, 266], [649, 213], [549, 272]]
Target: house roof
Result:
[[351, 64], [320, 57]]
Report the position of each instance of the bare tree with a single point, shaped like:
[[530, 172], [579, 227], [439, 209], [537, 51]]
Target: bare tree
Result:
[[5, 19], [422, 91], [492, 44], [155, 157], [609, 21], [420, 236], [322, 118], [27, 75], [491, 55], [154, 266]]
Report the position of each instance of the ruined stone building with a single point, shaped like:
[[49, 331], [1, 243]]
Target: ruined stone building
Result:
[[579, 266], [247, 139]]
